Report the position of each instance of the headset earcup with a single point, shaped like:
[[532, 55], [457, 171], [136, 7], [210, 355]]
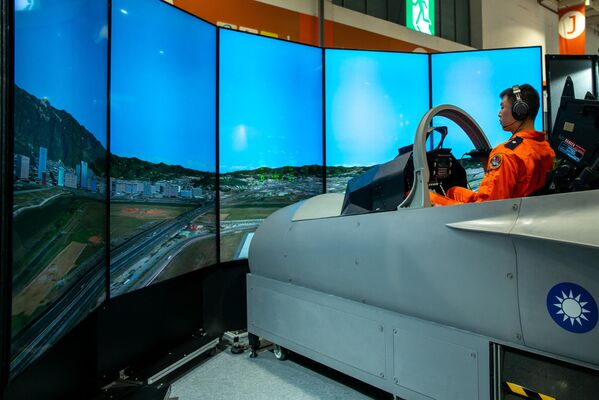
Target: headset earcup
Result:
[[520, 110]]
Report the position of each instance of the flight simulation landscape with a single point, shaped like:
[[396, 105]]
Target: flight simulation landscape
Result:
[[270, 132], [163, 139], [60, 160], [59, 230], [248, 197], [162, 222]]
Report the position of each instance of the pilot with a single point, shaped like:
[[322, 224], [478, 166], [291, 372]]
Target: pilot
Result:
[[517, 167]]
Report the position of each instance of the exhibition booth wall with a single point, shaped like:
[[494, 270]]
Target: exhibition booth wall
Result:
[[149, 145]]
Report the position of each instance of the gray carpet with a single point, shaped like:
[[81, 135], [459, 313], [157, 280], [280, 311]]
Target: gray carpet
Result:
[[227, 376]]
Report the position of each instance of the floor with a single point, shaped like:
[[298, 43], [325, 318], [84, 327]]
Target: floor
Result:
[[229, 376]]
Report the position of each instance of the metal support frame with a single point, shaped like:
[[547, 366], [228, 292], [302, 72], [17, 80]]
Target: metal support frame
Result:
[[6, 163], [496, 369], [321, 23]]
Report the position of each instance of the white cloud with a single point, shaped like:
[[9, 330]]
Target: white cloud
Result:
[[240, 140], [103, 34], [24, 5]]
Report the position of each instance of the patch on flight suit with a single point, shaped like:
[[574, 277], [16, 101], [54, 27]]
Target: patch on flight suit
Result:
[[495, 161], [512, 144]]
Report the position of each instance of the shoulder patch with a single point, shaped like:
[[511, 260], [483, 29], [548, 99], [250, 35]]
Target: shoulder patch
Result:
[[495, 162], [515, 142]]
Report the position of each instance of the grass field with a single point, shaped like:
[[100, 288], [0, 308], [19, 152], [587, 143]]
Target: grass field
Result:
[[34, 197], [38, 291], [229, 244], [208, 221], [49, 245], [198, 254], [249, 211], [128, 218], [40, 234]]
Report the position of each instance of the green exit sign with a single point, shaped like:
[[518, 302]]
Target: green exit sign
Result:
[[420, 15]]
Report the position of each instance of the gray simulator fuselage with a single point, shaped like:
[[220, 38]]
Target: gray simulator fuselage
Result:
[[485, 268], [482, 267]]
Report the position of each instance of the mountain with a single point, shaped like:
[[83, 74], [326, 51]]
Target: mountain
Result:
[[345, 171], [135, 169], [38, 123], [304, 170]]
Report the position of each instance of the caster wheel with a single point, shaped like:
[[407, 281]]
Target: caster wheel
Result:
[[281, 353], [236, 350]]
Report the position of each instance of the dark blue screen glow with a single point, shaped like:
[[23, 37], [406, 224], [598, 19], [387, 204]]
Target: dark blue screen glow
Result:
[[473, 82], [374, 101]]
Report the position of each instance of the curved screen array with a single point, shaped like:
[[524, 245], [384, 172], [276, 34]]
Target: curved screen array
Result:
[[270, 132], [374, 101], [60, 136], [163, 157], [162, 175]]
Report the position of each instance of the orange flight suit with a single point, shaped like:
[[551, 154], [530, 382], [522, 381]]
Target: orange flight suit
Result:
[[516, 168]]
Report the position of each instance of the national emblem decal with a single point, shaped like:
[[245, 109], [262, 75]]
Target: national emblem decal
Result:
[[572, 307], [495, 161]]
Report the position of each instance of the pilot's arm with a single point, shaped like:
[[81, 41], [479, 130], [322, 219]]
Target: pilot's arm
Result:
[[499, 183]]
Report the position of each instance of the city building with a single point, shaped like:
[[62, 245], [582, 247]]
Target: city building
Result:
[[119, 187], [41, 162], [70, 180], [197, 192], [21, 167], [171, 190], [61, 176], [147, 189], [134, 187], [83, 175]]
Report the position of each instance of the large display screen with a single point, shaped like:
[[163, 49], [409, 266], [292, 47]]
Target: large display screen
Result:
[[473, 80], [163, 144], [374, 102], [60, 135], [270, 132]]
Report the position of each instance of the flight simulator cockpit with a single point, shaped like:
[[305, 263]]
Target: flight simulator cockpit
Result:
[[384, 187], [575, 140], [442, 302]]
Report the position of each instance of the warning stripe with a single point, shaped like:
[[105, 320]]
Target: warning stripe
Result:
[[526, 393]]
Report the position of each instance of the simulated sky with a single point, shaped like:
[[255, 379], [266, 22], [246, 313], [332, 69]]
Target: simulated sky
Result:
[[374, 102], [473, 82], [163, 89], [61, 55], [270, 103]]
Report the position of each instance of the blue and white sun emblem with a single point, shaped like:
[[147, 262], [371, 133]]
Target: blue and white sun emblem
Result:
[[572, 307]]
